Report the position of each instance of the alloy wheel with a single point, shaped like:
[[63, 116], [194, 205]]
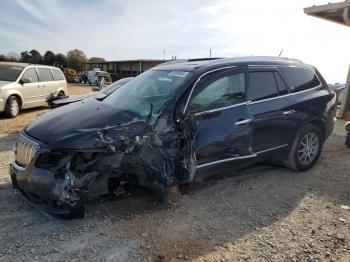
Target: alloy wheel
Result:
[[308, 148], [14, 107]]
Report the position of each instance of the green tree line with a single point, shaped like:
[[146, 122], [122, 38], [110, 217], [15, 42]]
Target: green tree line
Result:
[[73, 59]]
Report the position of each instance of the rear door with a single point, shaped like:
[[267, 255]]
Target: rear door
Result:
[[274, 125], [46, 80], [225, 122]]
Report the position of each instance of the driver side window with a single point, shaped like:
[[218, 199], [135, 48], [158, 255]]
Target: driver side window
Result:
[[220, 92]]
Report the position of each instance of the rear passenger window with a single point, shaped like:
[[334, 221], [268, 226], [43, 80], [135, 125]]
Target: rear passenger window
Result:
[[45, 74], [57, 74], [301, 78], [262, 85], [30, 73]]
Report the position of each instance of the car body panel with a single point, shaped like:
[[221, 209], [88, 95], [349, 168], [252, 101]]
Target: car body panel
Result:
[[173, 146]]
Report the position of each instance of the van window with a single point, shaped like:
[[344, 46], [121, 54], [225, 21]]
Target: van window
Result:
[[57, 74], [30, 73], [221, 92], [262, 85], [45, 74], [301, 78]]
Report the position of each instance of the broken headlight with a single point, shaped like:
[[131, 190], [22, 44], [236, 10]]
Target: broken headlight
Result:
[[48, 160]]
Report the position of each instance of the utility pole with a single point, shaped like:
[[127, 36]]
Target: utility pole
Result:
[[164, 54], [210, 53]]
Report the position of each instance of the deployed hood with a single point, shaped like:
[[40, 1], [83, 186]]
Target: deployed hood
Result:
[[75, 126], [4, 83]]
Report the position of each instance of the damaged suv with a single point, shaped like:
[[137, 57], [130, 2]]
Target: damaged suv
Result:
[[171, 124]]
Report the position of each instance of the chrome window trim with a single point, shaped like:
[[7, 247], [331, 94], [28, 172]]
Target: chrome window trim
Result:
[[240, 157], [247, 102]]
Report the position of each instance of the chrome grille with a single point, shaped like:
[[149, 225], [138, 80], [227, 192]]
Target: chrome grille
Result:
[[26, 150]]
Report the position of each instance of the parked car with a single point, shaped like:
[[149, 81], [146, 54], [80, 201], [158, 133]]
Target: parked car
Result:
[[26, 86], [56, 101], [94, 76], [172, 124]]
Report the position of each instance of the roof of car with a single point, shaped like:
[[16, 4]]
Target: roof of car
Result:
[[221, 62], [15, 64]]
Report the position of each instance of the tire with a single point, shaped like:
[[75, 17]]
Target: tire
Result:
[[306, 149], [61, 94], [12, 107]]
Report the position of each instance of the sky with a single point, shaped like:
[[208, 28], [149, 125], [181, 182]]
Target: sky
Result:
[[116, 29]]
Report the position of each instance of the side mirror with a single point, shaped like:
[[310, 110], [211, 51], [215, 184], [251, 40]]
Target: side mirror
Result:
[[25, 81]]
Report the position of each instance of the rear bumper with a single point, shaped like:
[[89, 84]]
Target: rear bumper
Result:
[[39, 187]]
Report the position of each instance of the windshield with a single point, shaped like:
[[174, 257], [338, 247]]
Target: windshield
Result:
[[9, 72], [149, 90], [114, 86]]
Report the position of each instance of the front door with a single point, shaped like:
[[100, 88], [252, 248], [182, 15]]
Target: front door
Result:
[[32, 91], [225, 122]]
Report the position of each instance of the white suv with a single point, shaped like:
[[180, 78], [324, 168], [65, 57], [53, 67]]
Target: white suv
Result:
[[26, 86]]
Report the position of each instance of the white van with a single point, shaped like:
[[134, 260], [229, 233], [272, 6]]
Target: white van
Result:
[[25, 86]]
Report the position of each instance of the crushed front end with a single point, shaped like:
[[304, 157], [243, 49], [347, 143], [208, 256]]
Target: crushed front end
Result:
[[156, 154]]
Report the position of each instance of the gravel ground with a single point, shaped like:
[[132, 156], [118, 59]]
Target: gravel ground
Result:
[[264, 213]]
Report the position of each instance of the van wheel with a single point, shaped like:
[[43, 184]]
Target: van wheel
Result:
[[12, 107], [306, 149], [60, 94]]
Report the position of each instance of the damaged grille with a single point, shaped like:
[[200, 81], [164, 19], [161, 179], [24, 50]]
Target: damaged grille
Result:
[[26, 150]]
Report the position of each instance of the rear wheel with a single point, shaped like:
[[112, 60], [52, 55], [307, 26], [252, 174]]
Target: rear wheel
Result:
[[12, 107], [306, 149]]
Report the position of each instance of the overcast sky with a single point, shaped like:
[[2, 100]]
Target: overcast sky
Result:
[[135, 29]]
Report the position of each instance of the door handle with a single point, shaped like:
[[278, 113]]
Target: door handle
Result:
[[289, 112], [243, 122]]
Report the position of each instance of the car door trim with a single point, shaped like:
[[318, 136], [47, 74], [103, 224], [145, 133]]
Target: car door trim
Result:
[[240, 157], [225, 160]]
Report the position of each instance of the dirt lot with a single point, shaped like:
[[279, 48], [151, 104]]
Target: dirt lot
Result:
[[265, 213]]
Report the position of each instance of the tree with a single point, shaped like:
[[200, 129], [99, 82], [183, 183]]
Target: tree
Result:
[[49, 58], [3, 58], [36, 57], [33, 57], [76, 59], [12, 57], [97, 60], [25, 57], [60, 60]]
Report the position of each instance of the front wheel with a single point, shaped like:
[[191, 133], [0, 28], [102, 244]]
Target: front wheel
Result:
[[12, 107], [306, 149]]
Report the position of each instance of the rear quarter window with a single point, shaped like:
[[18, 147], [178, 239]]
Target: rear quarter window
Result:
[[57, 74], [301, 78]]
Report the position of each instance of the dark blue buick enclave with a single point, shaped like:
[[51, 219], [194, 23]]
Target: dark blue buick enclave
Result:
[[172, 124]]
